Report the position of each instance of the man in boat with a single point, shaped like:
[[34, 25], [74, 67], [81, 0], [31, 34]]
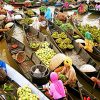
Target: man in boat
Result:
[[61, 16], [88, 42], [43, 23]]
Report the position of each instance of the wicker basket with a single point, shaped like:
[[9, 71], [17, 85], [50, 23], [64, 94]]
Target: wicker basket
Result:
[[20, 55], [3, 76]]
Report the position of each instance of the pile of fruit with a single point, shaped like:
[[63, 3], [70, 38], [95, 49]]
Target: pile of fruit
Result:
[[26, 21], [25, 93], [43, 8], [93, 30], [34, 45], [62, 40], [45, 53], [66, 27], [58, 22], [30, 12], [63, 78]]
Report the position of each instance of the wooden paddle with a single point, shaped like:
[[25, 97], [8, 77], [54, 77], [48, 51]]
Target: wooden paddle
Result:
[[80, 87]]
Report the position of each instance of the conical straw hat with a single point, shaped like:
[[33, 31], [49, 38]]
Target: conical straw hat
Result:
[[57, 60]]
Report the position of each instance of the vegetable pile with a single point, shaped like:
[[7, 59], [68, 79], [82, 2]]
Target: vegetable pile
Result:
[[63, 78], [25, 93], [45, 53], [93, 30], [62, 40], [29, 12], [34, 45], [58, 22], [66, 27], [26, 21], [43, 8]]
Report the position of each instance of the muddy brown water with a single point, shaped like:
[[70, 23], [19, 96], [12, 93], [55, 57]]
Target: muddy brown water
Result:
[[19, 34]]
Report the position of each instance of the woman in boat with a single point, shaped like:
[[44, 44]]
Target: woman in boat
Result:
[[56, 90], [61, 16], [68, 71], [48, 14], [43, 23], [66, 5], [88, 42]]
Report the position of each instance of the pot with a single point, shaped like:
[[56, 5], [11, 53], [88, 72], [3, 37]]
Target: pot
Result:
[[40, 74]]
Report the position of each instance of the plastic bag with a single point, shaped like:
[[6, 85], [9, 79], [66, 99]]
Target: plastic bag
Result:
[[36, 24], [3, 65]]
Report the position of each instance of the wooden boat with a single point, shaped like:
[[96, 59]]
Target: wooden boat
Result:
[[15, 79], [71, 8], [80, 57], [17, 4], [11, 42], [25, 68], [94, 10], [70, 89], [28, 15], [96, 52]]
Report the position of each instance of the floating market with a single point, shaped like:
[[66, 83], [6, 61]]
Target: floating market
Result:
[[49, 49]]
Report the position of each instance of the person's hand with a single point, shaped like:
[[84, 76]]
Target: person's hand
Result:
[[65, 83], [80, 45], [7, 28]]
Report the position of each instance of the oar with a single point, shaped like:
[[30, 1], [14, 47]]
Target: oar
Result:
[[80, 87]]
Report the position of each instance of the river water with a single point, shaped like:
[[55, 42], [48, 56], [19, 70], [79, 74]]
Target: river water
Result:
[[19, 34]]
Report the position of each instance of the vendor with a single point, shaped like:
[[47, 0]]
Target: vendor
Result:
[[61, 16], [43, 23], [48, 14], [68, 71], [88, 42], [74, 18]]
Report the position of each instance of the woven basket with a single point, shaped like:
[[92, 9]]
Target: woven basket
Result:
[[3, 76], [57, 60], [20, 55]]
